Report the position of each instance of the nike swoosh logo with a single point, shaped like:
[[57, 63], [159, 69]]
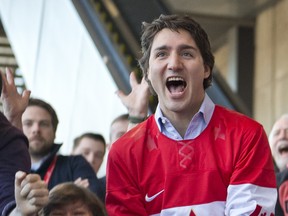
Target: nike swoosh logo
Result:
[[149, 199]]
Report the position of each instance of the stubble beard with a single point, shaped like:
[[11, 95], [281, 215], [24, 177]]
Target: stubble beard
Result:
[[40, 149]]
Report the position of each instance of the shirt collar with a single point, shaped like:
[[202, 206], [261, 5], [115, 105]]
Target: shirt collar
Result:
[[206, 110]]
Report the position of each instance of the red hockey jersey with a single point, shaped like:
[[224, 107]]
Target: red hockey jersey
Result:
[[226, 170]]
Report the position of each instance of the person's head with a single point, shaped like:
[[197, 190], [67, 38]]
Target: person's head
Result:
[[69, 199], [177, 61], [118, 127], [278, 140], [40, 123], [92, 146]]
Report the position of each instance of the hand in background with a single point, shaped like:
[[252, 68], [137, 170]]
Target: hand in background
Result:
[[14, 104], [137, 101], [82, 182]]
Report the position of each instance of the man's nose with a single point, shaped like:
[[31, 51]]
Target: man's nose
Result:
[[35, 128], [91, 158], [175, 63]]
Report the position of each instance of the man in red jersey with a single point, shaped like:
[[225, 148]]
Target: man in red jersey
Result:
[[191, 157]]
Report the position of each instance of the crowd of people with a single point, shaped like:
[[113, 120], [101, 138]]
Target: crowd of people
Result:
[[190, 157]]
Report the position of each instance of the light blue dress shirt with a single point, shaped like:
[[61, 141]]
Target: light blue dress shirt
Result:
[[198, 123]]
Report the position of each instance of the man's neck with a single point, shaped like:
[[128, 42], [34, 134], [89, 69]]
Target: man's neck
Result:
[[35, 164], [181, 120], [35, 159]]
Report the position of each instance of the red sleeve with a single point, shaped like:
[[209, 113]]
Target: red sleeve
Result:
[[254, 163], [253, 182]]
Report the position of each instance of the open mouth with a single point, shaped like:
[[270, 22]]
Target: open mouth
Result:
[[283, 149], [176, 84]]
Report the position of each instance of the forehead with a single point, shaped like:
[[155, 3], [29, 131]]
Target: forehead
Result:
[[36, 112], [73, 207], [281, 123], [90, 143], [170, 37]]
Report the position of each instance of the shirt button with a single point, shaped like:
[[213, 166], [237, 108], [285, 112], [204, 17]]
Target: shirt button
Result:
[[163, 121]]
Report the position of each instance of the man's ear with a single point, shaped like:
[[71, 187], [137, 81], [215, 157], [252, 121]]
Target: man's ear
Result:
[[207, 71]]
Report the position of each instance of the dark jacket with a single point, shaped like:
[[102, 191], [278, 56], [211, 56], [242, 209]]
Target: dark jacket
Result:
[[68, 169], [103, 184], [14, 156], [282, 183]]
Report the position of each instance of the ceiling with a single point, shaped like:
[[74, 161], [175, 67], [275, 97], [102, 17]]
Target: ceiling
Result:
[[235, 9], [215, 16], [218, 16]]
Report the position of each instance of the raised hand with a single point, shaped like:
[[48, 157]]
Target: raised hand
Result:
[[14, 104], [137, 101]]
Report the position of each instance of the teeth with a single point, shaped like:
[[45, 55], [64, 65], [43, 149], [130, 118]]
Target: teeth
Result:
[[175, 79]]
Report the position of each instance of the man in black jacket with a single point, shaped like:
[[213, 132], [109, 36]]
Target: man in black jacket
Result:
[[40, 123], [27, 193]]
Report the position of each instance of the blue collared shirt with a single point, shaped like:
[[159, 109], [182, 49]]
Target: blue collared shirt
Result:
[[198, 123]]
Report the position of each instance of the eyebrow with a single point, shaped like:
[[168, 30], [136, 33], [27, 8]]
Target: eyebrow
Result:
[[181, 47]]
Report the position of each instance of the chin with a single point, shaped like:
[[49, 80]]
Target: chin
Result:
[[282, 165], [176, 107]]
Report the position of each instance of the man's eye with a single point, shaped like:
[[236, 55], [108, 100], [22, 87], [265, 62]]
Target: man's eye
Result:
[[27, 124], [99, 155], [44, 124], [187, 54], [276, 133], [86, 153], [160, 54]]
